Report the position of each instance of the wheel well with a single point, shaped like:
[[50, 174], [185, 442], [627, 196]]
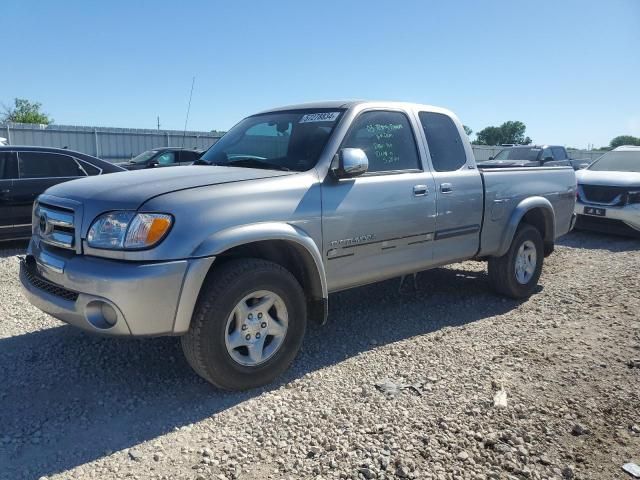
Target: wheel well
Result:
[[291, 256], [537, 218]]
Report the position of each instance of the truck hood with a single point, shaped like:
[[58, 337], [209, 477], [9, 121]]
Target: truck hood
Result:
[[612, 179], [129, 190]]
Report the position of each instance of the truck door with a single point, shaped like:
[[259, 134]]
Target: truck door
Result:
[[459, 190], [8, 173], [379, 225]]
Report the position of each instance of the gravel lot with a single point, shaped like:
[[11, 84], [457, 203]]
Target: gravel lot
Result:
[[397, 385]]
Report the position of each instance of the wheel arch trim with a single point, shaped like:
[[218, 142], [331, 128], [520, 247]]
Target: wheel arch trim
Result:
[[220, 242], [524, 207]]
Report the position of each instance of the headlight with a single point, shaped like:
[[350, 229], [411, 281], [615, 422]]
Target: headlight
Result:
[[128, 230]]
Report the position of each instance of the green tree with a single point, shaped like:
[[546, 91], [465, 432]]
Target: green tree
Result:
[[24, 111], [624, 140], [467, 130], [508, 132]]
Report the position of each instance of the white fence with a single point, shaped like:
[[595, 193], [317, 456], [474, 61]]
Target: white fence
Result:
[[107, 143]]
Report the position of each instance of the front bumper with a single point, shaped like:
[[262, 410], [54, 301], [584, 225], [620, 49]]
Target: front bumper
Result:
[[626, 217], [114, 297]]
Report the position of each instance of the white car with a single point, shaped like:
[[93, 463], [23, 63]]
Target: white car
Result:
[[609, 193], [3, 141]]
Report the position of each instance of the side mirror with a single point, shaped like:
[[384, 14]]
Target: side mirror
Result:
[[349, 163], [199, 161], [491, 158], [153, 164], [548, 159]]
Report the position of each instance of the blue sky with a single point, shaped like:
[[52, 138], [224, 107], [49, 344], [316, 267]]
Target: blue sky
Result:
[[569, 69]]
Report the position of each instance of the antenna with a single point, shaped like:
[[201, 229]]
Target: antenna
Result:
[[184, 133]]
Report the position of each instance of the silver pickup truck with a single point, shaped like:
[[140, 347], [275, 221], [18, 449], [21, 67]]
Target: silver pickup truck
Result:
[[292, 204]]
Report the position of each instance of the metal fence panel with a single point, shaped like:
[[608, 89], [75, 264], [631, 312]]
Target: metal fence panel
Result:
[[107, 143]]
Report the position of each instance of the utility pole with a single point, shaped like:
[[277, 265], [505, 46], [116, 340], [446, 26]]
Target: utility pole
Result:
[[158, 122]]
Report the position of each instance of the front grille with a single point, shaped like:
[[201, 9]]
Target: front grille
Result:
[[55, 225], [604, 194], [45, 285]]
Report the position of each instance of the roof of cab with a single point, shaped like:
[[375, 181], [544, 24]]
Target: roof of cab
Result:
[[345, 104]]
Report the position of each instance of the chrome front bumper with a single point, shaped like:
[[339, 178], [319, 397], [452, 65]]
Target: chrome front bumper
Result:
[[114, 297]]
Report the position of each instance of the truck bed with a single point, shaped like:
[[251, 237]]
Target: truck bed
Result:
[[505, 188]]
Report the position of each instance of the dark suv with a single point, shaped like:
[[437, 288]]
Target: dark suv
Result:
[[162, 157], [26, 172]]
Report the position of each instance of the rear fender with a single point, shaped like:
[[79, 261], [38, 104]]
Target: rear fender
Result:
[[525, 206]]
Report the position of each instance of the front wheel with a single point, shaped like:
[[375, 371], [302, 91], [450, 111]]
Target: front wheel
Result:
[[248, 324], [516, 273]]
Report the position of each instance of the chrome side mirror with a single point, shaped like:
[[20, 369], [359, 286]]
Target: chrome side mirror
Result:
[[349, 163]]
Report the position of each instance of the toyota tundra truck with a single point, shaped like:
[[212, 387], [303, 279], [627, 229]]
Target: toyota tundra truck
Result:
[[237, 253]]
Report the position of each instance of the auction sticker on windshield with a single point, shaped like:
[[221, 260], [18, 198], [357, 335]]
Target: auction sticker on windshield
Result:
[[319, 117]]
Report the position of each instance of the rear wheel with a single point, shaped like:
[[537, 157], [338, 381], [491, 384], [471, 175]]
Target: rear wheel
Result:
[[248, 324], [516, 273]]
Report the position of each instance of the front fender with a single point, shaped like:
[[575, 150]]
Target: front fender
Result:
[[525, 206], [224, 240]]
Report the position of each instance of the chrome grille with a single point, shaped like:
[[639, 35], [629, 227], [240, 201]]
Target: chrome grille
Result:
[[55, 225]]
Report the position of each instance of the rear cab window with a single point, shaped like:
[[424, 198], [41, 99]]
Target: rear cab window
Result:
[[559, 153], [443, 139]]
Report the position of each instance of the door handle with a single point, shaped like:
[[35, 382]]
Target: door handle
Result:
[[420, 190], [446, 188]]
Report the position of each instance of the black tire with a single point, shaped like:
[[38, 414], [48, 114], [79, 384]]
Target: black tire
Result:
[[502, 270], [204, 344]]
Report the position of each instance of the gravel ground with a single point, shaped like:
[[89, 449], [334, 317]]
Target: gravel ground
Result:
[[442, 381]]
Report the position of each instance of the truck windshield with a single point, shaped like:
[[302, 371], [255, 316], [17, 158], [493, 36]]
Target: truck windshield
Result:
[[144, 156], [617, 162], [518, 153], [288, 140]]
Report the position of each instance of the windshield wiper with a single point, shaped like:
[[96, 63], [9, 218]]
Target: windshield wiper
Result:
[[254, 162]]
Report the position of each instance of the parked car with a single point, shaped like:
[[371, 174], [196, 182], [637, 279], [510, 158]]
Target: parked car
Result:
[[533, 156], [162, 157], [609, 193], [26, 172], [296, 203]]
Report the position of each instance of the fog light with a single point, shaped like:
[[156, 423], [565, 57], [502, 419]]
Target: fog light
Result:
[[109, 314], [100, 314]]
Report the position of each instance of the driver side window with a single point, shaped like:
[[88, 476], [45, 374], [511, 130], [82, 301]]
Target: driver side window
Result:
[[166, 159]]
